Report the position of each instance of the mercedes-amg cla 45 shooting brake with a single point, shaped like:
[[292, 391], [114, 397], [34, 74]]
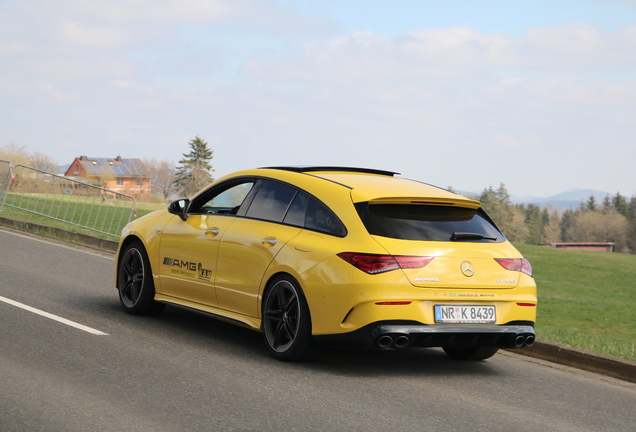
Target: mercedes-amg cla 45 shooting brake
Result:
[[336, 256]]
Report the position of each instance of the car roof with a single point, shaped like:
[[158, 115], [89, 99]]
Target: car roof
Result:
[[382, 186]]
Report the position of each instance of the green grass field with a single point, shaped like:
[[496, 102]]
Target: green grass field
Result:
[[586, 299]]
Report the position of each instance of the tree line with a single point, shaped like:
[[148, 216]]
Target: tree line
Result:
[[612, 220]]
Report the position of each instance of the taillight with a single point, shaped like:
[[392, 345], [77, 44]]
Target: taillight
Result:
[[516, 264], [374, 264]]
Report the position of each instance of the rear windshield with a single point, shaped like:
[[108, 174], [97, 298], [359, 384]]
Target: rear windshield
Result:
[[428, 223]]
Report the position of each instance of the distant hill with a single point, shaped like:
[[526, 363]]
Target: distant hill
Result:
[[570, 199]]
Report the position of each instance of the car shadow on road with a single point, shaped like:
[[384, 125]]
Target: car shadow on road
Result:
[[398, 362], [247, 345]]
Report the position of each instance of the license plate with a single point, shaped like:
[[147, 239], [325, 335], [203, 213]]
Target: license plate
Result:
[[465, 314]]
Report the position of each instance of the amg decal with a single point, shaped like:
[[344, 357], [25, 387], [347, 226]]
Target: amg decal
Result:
[[204, 274], [201, 273]]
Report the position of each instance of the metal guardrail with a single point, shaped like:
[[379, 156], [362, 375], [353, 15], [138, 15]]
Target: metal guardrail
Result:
[[5, 178], [64, 199]]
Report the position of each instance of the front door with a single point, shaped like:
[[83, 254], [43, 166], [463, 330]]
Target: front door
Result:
[[189, 248]]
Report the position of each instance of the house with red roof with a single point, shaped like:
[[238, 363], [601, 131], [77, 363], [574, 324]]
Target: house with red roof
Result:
[[124, 175]]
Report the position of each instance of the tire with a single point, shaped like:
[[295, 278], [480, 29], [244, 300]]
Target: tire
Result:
[[136, 287], [472, 353], [286, 321]]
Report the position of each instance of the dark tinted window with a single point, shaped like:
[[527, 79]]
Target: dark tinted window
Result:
[[320, 218], [296, 214], [427, 222], [306, 211], [271, 201]]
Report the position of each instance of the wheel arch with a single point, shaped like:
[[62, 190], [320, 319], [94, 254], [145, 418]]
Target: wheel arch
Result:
[[122, 247], [267, 284]]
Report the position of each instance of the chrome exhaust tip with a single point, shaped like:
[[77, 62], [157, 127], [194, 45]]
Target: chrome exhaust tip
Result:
[[385, 341], [402, 341], [520, 341], [529, 341]]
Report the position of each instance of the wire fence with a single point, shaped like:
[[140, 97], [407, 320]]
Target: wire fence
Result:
[[64, 199], [5, 178]]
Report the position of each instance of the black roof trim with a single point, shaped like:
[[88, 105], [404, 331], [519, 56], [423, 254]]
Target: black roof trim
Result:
[[303, 169]]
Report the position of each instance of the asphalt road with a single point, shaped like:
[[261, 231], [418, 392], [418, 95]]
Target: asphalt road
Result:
[[185, 372]]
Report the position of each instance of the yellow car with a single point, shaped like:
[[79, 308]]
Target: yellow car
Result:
[[336, 256]]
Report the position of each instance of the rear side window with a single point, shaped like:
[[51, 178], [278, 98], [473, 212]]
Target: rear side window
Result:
[[428, 223], [306, 211]]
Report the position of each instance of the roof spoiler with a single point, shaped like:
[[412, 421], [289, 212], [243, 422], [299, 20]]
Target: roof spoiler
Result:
[[303, 169]]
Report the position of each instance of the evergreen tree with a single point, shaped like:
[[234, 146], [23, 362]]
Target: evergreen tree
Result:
[[567, 221], [193, 173], [619, 202], [534, 221], [497, 205], [591, 204], [631, 217]]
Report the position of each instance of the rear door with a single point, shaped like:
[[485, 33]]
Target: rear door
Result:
[[463, 242], [250, 244]]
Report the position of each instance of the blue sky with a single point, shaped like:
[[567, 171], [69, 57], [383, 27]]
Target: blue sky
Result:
[[540, 96]]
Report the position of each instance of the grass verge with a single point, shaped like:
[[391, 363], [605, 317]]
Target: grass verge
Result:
[[586, 299]]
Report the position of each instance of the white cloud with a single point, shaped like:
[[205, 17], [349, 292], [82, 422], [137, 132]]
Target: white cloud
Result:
[[453, 106]]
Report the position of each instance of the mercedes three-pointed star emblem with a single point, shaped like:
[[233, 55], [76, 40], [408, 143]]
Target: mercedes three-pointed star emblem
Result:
[[467, 268]]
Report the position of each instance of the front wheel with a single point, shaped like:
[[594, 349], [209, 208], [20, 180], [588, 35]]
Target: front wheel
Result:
[[286, 321], [472, 353], [136, 287]]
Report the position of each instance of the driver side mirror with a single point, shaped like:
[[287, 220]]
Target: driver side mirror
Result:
[[179, 208]]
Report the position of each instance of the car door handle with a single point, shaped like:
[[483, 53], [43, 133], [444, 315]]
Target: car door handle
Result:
[[212, 232], [269, 241]]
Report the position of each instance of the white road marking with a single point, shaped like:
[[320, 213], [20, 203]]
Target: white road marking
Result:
[[53, 317]]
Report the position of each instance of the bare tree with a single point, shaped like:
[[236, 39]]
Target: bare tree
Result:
[[162, 175], [600, 226], [552, 230], [42, 162], [15, 154]]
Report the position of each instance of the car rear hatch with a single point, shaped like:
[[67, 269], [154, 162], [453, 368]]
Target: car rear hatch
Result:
[[465, 246]]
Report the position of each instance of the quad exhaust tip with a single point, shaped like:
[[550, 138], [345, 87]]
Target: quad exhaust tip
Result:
[[402, 341], [524, 341], [387, 341]]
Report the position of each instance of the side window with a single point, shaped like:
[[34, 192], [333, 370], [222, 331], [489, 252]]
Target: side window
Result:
[[320, 218], [225, 199], [296, 214], [271, 201], [306, 211]]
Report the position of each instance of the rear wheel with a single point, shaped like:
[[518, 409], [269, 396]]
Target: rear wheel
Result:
[[136, 287], [286, 321], [472, 353]]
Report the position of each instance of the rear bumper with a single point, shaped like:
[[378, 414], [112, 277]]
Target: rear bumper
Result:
[[409, 334]]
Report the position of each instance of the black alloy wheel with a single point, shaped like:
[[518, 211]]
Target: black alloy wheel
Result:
[[136, 288], [286, 321]]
